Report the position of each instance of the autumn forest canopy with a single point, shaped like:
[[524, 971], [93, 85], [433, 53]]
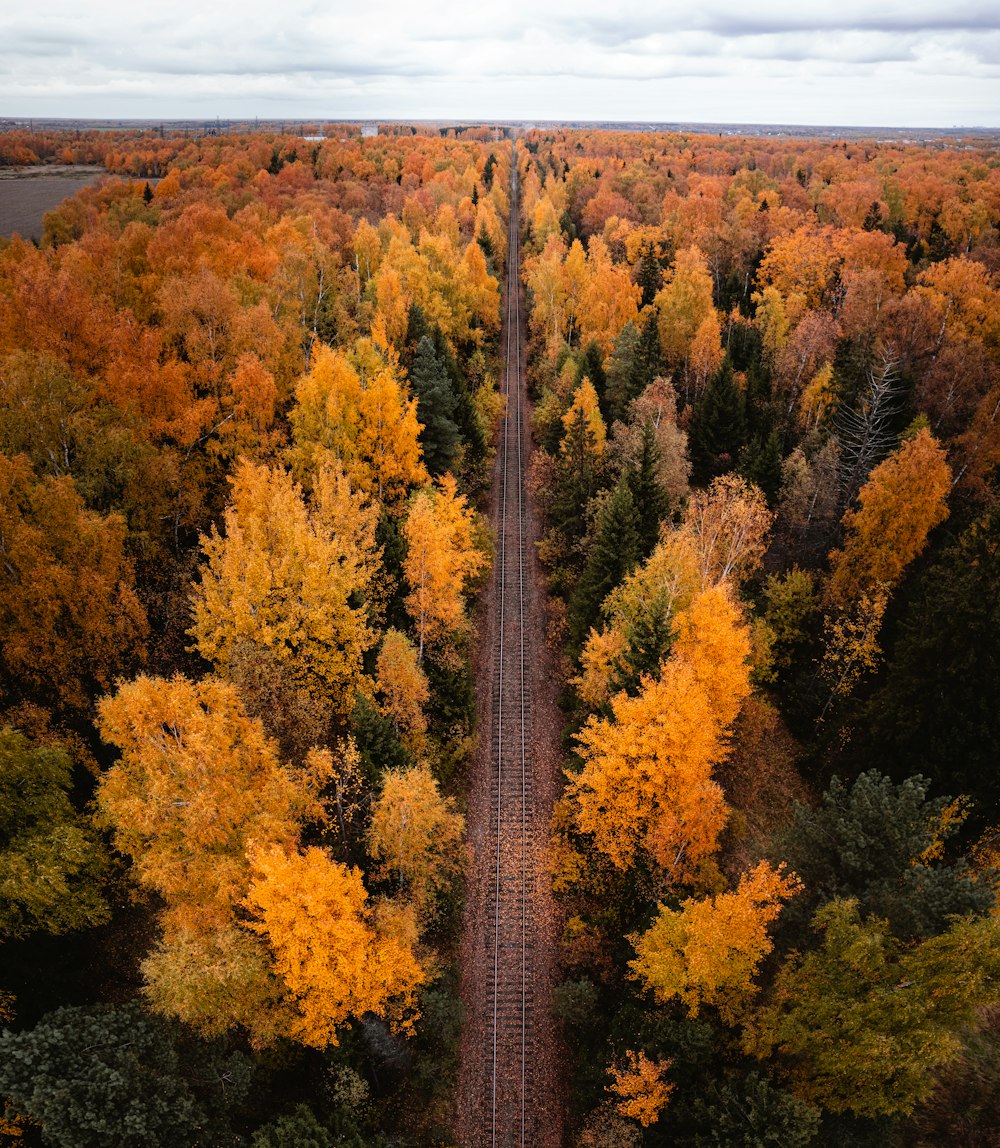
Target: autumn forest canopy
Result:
[[248, 405]]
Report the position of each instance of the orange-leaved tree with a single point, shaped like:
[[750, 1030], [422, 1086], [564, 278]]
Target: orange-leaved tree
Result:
[[337, 957], [899, 505], [646, 783], [610, 299], [641, 1087], [69, 619], [197, 782], [402, 684], [441, 559]]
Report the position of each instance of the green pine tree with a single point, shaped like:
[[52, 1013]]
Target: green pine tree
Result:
[[465, 412], [591, 366], [761, 463], [486, 246], [753, 1112], [868, 841], [649, 640], [613, 555], [53, 865], [620, 372], [649, 275], [937, 708], [577, 477], [488, 168], [649, 356], [648, 495], [435, 408], [635, 362], [100, 1075], [864, 1021], [718, 428]]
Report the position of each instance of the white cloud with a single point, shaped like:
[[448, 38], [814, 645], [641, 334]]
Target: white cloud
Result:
[[820, 62]]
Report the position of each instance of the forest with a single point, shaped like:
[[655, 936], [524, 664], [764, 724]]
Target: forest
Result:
[[767, 407], [247, 421]]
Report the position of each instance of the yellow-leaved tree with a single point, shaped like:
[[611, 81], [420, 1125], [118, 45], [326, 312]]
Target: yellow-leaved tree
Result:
[[415, 834], [902, 501], [610, 299], [708, 951], [441, 559], [337, 956], [196, 785], [851, 644], [544, 276], [721, 539], [196, 782], [688, 321], [291, 578], [586, 409], [646, 782], [360, 414], [325, 415]]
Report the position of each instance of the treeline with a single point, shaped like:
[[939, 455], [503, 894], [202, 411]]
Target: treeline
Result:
[[150, 154], [244, 421], [767, 406]]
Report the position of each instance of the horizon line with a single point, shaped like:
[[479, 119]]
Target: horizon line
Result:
[[525, 123]]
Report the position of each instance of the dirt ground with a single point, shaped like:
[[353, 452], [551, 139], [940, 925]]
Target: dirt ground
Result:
[[26, 194]]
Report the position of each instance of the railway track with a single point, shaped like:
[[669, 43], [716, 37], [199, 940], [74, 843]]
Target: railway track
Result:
[[510, 1019]]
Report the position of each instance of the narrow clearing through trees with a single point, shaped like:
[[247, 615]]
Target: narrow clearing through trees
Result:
[[508, 1091]]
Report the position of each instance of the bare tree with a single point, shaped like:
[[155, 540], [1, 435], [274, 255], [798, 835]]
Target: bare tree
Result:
[[865, 429]]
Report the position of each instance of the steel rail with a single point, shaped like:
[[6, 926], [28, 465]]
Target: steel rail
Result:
[[513, 415]]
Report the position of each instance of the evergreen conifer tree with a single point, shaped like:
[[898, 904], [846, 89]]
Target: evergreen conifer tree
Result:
[[486, 246], [648, 495], [435, 408], [612, 556], [761, 464], [635, 362], [948, 635], [591, 366], [577, 477], [649, 275], [465, 411], [649, 356], [718, 426], [619, 375]]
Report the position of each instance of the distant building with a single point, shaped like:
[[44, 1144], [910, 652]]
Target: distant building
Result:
[[369, 131]]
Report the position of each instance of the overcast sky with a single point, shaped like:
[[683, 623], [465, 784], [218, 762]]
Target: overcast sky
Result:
[[809, 61]]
